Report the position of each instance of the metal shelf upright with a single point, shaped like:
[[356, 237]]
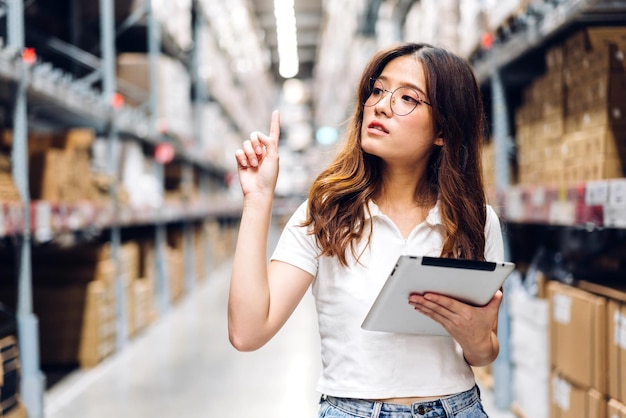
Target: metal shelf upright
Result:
[[200, 97], [109, 86], [502, 367], [32, 379], [154, 49], [500, 68]]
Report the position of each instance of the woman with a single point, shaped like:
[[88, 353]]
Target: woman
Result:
[[407, 181]]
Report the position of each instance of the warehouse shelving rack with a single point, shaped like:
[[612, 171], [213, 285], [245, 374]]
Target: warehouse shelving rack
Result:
[[69, 102], [502, 70]]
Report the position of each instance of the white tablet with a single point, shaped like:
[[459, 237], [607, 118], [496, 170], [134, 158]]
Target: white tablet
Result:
[[473, 282]]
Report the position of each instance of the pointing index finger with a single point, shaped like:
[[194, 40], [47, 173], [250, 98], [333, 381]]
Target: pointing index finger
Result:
[[275, 126]]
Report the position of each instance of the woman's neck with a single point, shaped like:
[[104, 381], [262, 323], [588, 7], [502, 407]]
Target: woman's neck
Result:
[[405, 191]]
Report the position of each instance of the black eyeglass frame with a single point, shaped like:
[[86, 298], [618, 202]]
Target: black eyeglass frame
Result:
[[375, 80]]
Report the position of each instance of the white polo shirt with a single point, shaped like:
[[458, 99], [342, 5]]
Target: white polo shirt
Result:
[[375, 365]]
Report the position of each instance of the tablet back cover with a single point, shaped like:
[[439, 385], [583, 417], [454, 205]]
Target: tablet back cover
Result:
[[473, 282]]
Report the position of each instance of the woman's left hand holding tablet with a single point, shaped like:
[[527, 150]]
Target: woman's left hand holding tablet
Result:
[[474, 328]]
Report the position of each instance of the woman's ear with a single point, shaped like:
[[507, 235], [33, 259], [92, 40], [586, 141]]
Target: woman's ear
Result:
[[439, 140]]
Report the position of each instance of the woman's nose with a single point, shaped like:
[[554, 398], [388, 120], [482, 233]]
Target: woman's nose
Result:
[[384, 105]]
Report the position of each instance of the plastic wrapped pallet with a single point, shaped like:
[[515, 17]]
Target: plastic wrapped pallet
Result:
[[529, 352]]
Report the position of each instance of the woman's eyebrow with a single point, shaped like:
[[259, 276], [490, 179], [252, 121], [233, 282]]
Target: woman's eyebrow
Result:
[[404, 84]]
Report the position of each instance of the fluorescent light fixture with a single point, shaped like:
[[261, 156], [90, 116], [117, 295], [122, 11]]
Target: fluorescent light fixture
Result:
[[285, 15]]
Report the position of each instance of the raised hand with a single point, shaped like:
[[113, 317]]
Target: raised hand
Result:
[[257, 161]]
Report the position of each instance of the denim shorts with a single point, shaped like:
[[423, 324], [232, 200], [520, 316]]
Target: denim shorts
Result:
[[462, 405]]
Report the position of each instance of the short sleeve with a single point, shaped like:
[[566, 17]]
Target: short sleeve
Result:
[[494, 244], [295, 245]]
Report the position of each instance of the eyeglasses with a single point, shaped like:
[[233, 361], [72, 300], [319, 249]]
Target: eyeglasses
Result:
[[404, 99]]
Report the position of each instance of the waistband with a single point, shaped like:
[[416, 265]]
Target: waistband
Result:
[[364, 408]]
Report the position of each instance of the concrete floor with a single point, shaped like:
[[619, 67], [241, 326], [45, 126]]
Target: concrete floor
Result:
[[184, 366]]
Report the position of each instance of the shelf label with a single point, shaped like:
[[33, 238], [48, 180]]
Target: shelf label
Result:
[[615, 215], [514, 204], [617, 192], [43, 222], [561, 390], [15, 218], [562, 307], [3, 222], [562, 213], [619, 329], [596, 193], [538, 196]]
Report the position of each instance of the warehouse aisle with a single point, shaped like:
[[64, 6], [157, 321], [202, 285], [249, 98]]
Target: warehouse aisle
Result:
[[184, 366]]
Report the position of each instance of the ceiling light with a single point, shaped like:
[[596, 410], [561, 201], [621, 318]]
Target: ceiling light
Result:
[[286, 34]]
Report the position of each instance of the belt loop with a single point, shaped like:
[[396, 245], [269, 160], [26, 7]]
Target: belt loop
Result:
[[376, 411], [447, 407]]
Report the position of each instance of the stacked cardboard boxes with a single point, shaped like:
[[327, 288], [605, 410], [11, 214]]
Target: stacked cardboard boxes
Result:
[[177, 273], [577, 352], [74, 298], [488, 156], [10, 369], [136, 290], [200, 252], [539, 124], [173, 270], [615, 346], [59, 165], [616, 409], [595, 122], [588, 350], [571, 127], [8, 191], [99, 328], [174, 111], [176, 186]]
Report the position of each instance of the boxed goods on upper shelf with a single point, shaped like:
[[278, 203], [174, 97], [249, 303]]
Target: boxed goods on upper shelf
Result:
[[59, 165], [571, 126], [174, 111], [8, 190], [51, 16]]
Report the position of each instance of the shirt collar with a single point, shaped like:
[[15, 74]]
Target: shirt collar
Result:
[[433, 217]]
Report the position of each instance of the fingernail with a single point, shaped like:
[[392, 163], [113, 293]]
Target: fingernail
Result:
[[258, 150], [254, 161]]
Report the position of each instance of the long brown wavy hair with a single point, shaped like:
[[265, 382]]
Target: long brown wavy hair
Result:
[[338, 198]]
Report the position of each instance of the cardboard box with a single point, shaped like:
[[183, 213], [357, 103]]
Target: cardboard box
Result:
[[615, 293], [173, 103], [578, 335], [596, 404], [19, 411], [567, 400], [571, 401], [616, 345], [616, 409]]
